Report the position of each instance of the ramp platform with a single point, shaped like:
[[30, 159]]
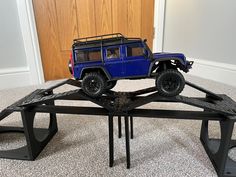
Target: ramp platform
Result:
[[215, 107]]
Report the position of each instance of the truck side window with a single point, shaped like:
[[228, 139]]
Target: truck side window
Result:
[[94, 55], [113, 53], [88, 55], [134, 50], [81, 56]]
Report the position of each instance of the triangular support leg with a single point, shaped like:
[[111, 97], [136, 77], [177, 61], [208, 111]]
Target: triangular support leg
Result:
[[36, 138], [218, 149]]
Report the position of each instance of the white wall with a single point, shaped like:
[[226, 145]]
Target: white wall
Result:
[[204, 30], [20, 63], [12, 52]]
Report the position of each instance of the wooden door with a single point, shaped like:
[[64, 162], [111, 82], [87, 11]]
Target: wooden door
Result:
[[60, 21]]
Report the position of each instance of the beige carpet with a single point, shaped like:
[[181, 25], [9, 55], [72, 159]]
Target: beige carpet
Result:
[[160, 147]]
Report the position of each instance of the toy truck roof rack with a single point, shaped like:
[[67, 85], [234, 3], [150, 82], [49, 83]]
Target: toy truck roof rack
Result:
[[100, 37], [107, 39]]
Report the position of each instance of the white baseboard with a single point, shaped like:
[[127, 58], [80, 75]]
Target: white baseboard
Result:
[[216, 71], [15, 77]]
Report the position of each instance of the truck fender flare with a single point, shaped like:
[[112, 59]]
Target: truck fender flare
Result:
[[171, 58], [97, 68], [165, 59]]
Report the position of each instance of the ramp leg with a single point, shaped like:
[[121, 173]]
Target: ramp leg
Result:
[[217, 149], [36, 138], [120, 127], [127, 141], [111, 140]]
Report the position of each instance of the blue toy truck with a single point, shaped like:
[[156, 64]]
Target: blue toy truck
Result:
[[100, 61]]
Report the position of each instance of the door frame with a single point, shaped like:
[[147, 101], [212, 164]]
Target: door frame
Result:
[[31, 44], [159, 25], [30, 40]]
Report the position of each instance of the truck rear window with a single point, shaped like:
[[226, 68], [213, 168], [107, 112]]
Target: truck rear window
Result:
[[88, 55]]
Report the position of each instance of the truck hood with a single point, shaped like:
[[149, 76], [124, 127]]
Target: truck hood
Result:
[[161, 55]]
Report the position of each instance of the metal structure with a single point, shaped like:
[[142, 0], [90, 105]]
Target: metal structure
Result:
[[114, 37], [216, 107]]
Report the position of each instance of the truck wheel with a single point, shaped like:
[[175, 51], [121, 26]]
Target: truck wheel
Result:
[[111, 85], [94, 84], [170, 83]]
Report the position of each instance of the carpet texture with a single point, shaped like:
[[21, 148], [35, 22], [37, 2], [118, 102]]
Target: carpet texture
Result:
[[160, 147]]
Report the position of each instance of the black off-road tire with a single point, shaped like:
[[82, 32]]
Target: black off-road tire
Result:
[[170, 82], [111, 85], [94, 84]]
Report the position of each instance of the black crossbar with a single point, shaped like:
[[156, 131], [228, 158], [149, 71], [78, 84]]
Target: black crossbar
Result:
[[149, 113]]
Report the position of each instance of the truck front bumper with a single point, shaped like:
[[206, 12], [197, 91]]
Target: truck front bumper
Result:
[[188, 66]]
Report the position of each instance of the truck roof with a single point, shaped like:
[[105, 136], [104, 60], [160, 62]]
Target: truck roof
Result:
[[103, 40]]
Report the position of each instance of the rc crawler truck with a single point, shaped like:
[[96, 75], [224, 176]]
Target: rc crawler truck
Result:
[[100, 61]]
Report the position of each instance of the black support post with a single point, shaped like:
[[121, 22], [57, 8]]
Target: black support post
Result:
[[111, 140], [127, 141]]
